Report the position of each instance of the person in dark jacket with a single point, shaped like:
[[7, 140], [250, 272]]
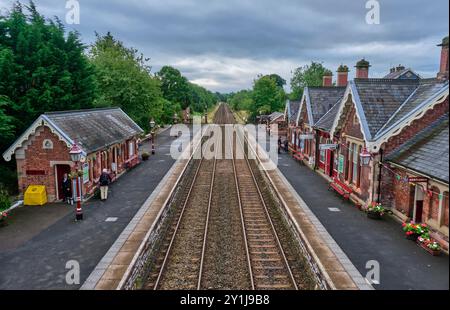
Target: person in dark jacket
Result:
[[66, 188], [105, 179]]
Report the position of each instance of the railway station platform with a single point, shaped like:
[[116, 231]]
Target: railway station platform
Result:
[[403, 265], [34, 253]]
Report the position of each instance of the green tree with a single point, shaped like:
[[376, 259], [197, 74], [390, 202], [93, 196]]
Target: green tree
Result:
[[42, 68], [124, 80], [267, 96], [278, 79], [174, 86], [308, 75], [242, 100]]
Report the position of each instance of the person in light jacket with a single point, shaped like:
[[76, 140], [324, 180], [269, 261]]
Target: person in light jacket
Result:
[[105, 179]]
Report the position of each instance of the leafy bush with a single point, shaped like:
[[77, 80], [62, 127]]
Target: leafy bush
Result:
[[5, 202]]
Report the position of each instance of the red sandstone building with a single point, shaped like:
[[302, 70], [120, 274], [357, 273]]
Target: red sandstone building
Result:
[[106, 136], [384, 118], [400, 122]]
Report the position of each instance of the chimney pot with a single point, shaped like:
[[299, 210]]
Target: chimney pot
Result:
[[327, 78], [342, 75], [443, 68], [362, 69]]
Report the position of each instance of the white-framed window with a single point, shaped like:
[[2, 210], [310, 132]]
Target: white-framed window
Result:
[[130, 149], [355, 163], [47, 144]]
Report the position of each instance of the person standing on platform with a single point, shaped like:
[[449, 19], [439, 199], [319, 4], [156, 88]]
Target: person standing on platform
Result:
[[105, 179]]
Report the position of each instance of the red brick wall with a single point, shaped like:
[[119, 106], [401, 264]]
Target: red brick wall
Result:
[[431, 208], [445, 206], [389, 192], [38, 158], [352, 128], [416, 126]]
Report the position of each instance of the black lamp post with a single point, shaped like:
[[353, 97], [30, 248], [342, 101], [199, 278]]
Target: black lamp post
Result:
[[75, 155], [152, 126]]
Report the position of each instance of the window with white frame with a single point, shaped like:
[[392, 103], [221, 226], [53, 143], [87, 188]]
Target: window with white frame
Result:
[[355, 163], [130, 149]]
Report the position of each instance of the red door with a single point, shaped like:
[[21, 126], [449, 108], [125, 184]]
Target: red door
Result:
[[419, 210], [330, 163], [60, 171]]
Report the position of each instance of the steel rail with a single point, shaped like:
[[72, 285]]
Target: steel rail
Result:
[[244, 231], [268, 215], [163, 266], [205, 235]]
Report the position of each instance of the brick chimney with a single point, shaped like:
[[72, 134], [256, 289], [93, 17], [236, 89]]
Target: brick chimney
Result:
[[443, 68], [342, 75], [362, 69], [328, 78]]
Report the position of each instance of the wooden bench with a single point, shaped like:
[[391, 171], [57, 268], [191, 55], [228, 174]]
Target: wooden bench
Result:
[[341, 188], [299, 156]]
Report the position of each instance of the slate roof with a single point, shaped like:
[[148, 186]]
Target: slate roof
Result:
[[275, 115], [293, 109], [406, 73], [95, 129], [426, 89], [427, 152], [323, 99], [385, 101], [326, 121]]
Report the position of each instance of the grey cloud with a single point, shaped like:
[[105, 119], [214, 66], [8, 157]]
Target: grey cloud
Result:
[[261, 32]]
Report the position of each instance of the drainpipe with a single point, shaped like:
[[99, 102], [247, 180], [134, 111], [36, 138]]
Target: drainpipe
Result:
[[317, 151], [379, 174]]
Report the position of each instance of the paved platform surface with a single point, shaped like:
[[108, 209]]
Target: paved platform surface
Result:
[[39, 242], [403, 265]]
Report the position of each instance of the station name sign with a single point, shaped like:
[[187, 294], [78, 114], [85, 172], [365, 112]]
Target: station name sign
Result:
[[417, 180], [328, 146]]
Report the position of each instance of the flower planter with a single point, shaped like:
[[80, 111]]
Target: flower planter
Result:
[[412, 237], [374, 215], [426, 248]]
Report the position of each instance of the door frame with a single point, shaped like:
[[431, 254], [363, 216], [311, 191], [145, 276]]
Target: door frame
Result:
[[419, 193]]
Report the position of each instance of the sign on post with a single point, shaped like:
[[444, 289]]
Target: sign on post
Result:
[[306, 137], [341, 164], [328, 147]]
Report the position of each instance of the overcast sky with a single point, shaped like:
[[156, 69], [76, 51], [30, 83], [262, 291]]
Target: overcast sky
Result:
[[224, 44]]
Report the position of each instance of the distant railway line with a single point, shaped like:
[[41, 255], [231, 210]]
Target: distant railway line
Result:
[[221, 234]]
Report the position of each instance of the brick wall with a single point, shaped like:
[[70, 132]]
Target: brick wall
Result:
[[351, 127], [445, 206], [389, 192], [38, 158], [416, 126]]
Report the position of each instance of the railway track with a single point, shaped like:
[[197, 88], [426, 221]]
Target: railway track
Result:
[[268, 265], [222, 235]]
